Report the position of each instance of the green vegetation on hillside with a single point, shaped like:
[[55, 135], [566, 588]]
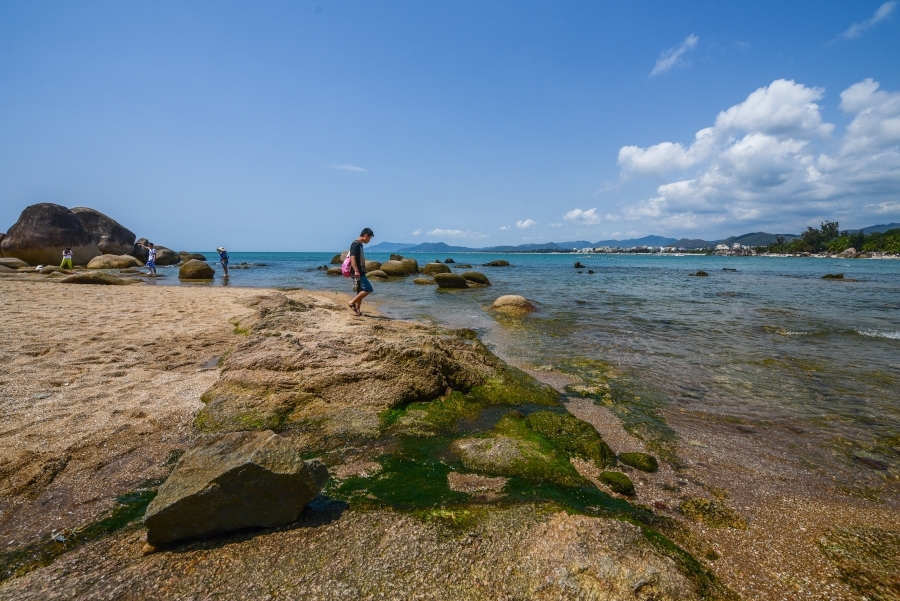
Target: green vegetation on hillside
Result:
[[829, 238]]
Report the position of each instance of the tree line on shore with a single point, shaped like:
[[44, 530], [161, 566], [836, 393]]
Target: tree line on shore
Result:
[[829, 237]]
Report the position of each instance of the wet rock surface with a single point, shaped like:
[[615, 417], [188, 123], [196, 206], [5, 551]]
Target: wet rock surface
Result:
[[450, 280], [513, 303], [196, 270], [229, 482]]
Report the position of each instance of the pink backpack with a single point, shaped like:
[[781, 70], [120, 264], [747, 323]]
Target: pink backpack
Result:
[[345, 267]]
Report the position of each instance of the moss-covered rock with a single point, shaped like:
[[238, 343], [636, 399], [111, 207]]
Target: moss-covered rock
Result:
[[617, 482], [450, 280], [196, 270], [394, 268], [477, 278], [640, 461], [424, 282], [572, 435], [433, 268]]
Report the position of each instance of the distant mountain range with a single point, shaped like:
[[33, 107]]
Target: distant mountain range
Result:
[[751, 239]]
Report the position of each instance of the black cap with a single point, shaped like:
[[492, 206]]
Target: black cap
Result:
[[367, 231]]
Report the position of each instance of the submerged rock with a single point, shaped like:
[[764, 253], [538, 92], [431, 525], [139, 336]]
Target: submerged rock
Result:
[[424, 282], [43, 232], [433, 268], [497, 263], [196, 270], [701, 274], [113, 262], [833, 276], [513, 303], [111, 237], [618, 482], [450, 280], [641, 461], [228, 482]]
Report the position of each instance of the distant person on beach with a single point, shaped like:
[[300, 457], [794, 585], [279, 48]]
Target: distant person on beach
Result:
[[361, 283], [67, 259], [151, 257], [223, 258]]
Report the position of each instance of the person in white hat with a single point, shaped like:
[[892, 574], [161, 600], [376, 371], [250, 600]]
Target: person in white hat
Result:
[[223, 258]]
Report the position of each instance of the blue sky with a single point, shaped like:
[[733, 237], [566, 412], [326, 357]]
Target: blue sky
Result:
[[292, 125]]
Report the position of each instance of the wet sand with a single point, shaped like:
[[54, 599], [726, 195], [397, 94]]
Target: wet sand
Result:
[[99, 390]]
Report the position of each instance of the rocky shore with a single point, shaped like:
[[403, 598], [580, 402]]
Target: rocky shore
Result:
[[452, 474]]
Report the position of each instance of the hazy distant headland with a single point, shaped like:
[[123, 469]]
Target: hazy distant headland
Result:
[[753, 239]]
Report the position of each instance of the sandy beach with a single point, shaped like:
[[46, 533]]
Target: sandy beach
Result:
[[100, 393]]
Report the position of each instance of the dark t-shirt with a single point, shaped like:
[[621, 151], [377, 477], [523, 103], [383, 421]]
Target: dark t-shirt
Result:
[[356, 250]]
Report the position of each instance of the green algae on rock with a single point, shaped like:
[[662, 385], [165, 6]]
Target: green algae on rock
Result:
[[572, 435], [617, 482], [640, 461], [867, 559]]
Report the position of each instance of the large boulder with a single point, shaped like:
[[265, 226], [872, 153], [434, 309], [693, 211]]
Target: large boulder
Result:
[[2, 236], [394, 268], [847, 253], [167, 256], [475, 277], [111, 237], [513, 303], [139, 251], [334, 271], [229, 482], [450, 280], [372, 266], [186, 256], [12, 262], [376, 275], [433, 268], [196, 270], [43, 231], [113, 262], [339, 258], [411, 265], [95, 277]]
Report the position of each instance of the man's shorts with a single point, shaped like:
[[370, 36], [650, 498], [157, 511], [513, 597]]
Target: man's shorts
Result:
[[151, 264], [362, 284]]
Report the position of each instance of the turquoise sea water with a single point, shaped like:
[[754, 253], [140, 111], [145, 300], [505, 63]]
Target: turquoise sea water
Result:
[[768, 342]]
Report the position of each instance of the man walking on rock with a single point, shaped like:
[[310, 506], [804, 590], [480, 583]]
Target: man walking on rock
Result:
[[361, 283]]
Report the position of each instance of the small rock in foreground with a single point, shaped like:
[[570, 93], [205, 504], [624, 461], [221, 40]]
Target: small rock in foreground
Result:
[[228, 482]]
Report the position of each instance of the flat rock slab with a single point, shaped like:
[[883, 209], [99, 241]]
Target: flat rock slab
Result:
[[228, 482]]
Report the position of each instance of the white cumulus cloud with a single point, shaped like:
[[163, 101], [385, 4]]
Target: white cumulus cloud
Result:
[[883, 12], [440, 232], [417, 233], [504, 227], [773, 155], [524, 225], [589, 217], [674, 56]]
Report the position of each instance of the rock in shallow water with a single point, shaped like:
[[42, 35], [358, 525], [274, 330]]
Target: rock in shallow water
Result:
[[196, 270], [114, 262], [450, 280], [228, 482], [513, 303]]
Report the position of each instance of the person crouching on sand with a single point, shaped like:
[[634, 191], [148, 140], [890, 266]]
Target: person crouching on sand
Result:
[[361, 283], [151, 257], [223, 258], [67, 259]]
